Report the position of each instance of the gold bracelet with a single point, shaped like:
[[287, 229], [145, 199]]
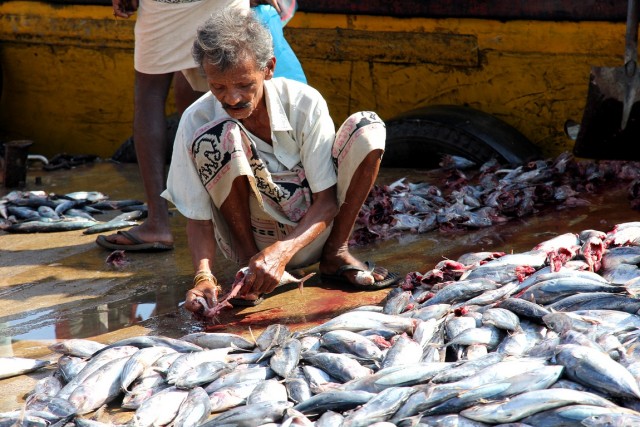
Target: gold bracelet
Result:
[[202, 275]]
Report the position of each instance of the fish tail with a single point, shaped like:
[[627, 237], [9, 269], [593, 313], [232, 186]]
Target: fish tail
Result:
[[304, 279], [307, 277]]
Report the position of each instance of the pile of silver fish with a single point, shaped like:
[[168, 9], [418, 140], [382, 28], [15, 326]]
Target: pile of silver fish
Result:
[[547, 337], [42, 212], [488, 195]]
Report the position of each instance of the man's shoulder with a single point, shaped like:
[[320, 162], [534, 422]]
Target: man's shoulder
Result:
[[201, 112], [294, 87]]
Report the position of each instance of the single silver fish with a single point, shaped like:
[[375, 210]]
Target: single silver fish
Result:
[[77, 347], [268, 390], [211, 340], [57, 407], [520, 342], [93, 365], [531, 402], [540, 379], [139, 362], [334, 400], [232, 395], [114, 224], [69, 367], [145, 386], [379, 408], [203, 373], [273, 336], [466, 369], [187, 361], [330, 419], [405, 351], [597, 370], [48, 386], [340, 366], [501, 318], [258, 373], [361, 320], [285, 357], [341, 341], [159, 409], [293, 418], [12, 366], [143, 341], [578, 414], [195, 409], [297, 386], [611, 420], [250, 415], [410, 374], [99, 388], [89, 196], [461, 290], [486, 335], [41, 226], [319, 380]]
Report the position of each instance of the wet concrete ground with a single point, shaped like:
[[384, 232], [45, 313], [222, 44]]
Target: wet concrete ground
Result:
[[57, 286]]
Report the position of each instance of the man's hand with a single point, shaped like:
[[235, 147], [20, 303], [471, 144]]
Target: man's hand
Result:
[[124, 8], [265, 270], [203, 296], [274, 3]]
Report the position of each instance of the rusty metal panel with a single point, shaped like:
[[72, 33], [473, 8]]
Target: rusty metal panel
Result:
[[571, 10], [92, 30], [339, 44], [551, 10]]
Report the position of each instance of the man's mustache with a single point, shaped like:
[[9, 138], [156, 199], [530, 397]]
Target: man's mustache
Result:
[[238, 106]]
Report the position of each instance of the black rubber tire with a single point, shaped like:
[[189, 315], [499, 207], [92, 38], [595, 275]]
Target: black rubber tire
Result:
[[126, 153], [420, 138]]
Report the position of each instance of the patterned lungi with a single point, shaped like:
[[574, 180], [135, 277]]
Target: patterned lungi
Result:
[[222, 150]]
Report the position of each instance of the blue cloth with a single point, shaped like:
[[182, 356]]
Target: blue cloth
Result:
[[287, 63]]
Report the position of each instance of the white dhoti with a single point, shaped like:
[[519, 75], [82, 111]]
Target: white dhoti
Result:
[[164, 35]]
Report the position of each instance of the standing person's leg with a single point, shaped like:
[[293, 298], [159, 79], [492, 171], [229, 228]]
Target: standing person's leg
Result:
[[183, 92], [149, 135]]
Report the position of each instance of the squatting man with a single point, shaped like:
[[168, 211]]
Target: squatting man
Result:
[[261, 174]]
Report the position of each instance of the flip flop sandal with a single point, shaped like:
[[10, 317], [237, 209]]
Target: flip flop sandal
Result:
[[241, 302], [339, 277], [136, 245]]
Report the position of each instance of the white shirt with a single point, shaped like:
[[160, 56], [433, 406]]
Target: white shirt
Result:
[[302, 132]]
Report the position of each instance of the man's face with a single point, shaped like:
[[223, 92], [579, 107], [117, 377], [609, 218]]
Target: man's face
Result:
[[239, 89]]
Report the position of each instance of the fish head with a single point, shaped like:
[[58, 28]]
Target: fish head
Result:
[[557, 322]]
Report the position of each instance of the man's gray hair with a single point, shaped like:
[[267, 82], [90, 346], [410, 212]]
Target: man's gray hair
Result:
[[229, 37]]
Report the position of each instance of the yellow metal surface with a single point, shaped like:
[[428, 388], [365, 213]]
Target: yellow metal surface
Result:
[[68, 70]]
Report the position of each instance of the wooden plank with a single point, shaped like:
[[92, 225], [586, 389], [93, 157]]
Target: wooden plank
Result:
[[573, 10], [339, 44], [91, 27], [547, 10]]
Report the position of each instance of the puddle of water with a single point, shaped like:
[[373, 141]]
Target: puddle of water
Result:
[[45, 333], [90, 322]]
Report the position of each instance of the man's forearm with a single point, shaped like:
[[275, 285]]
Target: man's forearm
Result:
[[317, 219], [202, 246]]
